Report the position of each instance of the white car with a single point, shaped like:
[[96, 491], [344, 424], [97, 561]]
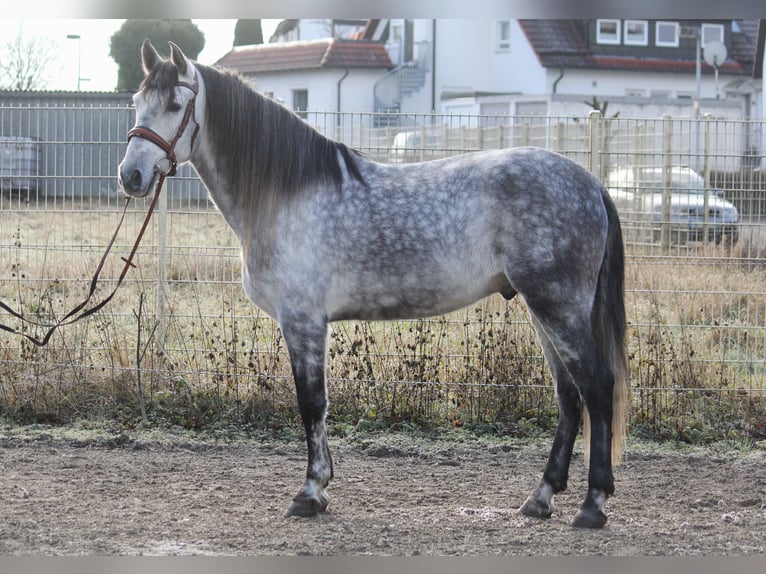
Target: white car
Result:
[[418, 145], [637, 192]]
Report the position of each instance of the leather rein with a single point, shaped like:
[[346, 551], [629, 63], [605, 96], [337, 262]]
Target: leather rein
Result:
[[80, 311]]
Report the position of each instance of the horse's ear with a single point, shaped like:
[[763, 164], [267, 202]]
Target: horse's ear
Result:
[[149, 56], [179, 59]]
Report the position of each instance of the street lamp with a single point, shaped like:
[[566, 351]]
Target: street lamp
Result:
[[79, 54], [696, 33]]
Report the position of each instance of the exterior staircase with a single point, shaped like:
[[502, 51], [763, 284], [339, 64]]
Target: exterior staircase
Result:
[[399, 83]]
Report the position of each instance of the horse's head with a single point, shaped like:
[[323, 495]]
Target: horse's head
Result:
[[166, 123]]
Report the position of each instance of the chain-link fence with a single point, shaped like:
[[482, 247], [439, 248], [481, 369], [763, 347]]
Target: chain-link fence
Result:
[[180, 338]]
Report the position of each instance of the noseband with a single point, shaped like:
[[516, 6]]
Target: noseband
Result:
[[169, 147]]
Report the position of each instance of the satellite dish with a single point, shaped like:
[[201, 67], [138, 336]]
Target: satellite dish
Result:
[[714, 53]]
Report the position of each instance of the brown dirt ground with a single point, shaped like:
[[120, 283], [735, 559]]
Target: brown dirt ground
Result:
[[75, 490]]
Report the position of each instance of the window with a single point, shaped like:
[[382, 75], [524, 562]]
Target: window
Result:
[[396, 33], [666, 34], [608, 31], [711, 33], [636, 32], [503, 35], [301, 102]]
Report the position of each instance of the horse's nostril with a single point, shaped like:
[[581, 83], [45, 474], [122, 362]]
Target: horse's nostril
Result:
[[133, 180]]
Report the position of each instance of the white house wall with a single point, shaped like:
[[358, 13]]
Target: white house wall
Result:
[[523, 73], [575, 106], [616, 83], [322, 86], [467, 61], [763, 111]]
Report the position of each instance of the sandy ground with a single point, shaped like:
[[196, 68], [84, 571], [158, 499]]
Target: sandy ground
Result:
[[74, 491]]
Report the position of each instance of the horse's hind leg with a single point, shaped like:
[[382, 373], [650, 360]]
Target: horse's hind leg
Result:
[[307, 342], [576, 353], [556, 474]]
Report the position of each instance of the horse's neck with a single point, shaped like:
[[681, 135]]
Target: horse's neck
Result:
[[220, 190]]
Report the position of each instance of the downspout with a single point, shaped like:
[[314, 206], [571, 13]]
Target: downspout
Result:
[[556, 82], [340, 81], [433, 66]]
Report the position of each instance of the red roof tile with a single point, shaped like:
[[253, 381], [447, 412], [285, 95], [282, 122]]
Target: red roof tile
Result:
[[325, 53]]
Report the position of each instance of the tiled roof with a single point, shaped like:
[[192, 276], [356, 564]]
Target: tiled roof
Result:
[[325, 53], [556, 42], [561, 43], [743, 45]]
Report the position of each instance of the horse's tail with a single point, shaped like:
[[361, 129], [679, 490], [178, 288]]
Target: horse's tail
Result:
[[609, 324]]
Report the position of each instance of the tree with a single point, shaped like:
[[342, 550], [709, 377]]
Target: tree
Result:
[[248, 32], [25, 62], [125, 45]]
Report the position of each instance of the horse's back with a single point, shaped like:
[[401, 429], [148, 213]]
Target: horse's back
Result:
[[523, 176], [528, 195]]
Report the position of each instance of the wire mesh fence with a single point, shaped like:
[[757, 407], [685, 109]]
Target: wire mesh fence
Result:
[[181, 340]]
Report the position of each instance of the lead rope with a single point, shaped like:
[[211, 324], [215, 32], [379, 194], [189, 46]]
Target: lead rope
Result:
[[77, 313], [169, 148]]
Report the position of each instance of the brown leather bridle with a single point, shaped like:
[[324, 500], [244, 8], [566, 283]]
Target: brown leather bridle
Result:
[[169, 148]]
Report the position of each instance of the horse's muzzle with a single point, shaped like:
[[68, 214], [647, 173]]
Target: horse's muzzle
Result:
[[134, 183]]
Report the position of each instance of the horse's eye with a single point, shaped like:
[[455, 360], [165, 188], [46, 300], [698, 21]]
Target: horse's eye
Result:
[[174, 107]]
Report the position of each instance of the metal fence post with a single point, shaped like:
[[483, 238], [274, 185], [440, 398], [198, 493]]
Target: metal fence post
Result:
[[706, 172], [594, 143], [667, 157], [162, 222]]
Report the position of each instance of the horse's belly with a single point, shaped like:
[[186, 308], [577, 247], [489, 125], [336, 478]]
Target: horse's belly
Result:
[[405, 299]]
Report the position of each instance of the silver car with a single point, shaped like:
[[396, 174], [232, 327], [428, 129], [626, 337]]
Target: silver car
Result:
[[638, 191]]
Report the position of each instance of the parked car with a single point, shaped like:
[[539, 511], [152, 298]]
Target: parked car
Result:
[[410, 146], [637, 192]]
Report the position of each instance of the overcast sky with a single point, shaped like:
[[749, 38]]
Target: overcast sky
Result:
[[96, 65]]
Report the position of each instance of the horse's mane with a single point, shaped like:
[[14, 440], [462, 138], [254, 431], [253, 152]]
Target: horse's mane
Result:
[[263, 146], [267, 153]]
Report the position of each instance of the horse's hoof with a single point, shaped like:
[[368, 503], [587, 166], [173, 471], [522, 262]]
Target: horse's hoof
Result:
[[589, 519], [536, 509], [307, 506]]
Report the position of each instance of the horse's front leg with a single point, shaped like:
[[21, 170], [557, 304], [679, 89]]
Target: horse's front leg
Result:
[[306, 340]]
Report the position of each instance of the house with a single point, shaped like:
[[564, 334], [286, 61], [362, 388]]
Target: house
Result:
[[325, 74], [307, 29], [759, 73], [552, 67], [514, 67]]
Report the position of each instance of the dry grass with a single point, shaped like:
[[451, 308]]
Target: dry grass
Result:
[[696, 341]]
